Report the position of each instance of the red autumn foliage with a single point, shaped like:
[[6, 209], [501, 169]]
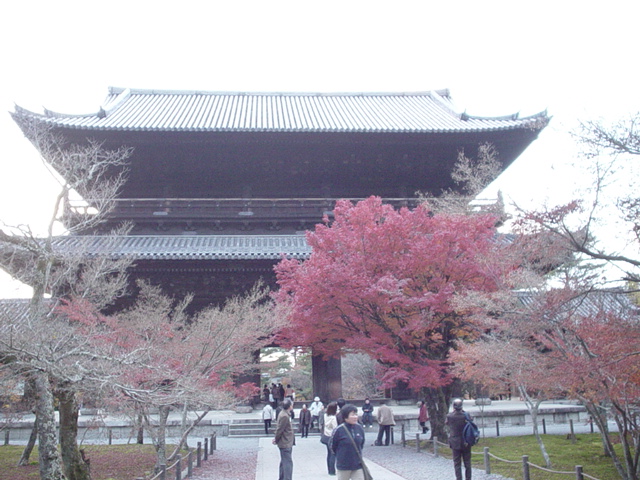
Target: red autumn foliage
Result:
[[393, 284]]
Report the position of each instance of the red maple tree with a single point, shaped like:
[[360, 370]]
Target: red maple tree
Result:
[[397, 285]]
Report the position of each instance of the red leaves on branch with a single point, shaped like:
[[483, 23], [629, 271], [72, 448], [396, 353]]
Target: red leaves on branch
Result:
[[392, 284]]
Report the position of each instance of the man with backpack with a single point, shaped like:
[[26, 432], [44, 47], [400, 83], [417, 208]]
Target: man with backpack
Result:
[[460, 447]]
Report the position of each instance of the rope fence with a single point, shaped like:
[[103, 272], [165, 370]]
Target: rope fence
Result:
[[201, 454], [520, 469]]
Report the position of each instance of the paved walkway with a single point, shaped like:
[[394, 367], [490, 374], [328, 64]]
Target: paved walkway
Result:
[[309, 461]]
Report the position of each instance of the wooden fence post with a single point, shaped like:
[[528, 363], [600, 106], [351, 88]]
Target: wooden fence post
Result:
[[402, 436], [110, 434], [190, 464], [6, 437], [206, 449], [392, 439], [179, 469], [573, 435], [497, 428], [213, 445], [199, 455], [435, 446], [579, 475], [487, 463], [544, 426], [418, 442], [525, 467]]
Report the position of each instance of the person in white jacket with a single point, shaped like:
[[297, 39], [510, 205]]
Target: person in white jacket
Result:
[[315, 408], [267, 417]]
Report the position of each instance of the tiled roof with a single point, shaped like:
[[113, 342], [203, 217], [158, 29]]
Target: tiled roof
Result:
[[14, 310], [589, 304], [198, 111], [190, 247]]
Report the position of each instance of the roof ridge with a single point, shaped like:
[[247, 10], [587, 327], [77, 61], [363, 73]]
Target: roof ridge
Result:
[[151, 91]]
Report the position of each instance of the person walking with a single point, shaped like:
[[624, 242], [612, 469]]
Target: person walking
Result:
[[267, 417], [456, 421], [367, 413], [385, 421], [315, 408], [305, 420], [423, 416], [266, 391], [329, 425], [285, 439], [289, 392], [347, 443]]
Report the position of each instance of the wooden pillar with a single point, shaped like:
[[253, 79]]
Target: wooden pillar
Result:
[[327, 378]]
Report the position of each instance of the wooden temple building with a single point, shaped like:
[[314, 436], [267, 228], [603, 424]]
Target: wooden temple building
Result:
[[222, 185]]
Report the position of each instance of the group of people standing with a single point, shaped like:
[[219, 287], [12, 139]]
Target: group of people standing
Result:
[[344, 435], [276, 393]]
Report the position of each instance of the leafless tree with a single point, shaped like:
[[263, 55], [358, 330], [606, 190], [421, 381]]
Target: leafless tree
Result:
[[40, 345], [608, 204], [471, 175]]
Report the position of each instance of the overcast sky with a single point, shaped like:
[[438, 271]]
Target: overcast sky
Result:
[[576, 59]]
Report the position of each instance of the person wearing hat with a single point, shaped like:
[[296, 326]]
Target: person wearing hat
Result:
[[456, 421], [315, 408]]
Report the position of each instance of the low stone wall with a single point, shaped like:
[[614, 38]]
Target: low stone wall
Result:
[[96, 431], [508, 418]]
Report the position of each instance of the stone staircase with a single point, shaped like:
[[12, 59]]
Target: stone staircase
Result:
[[248, 428]]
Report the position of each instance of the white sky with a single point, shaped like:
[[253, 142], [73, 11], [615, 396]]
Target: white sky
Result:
[[578, 59]]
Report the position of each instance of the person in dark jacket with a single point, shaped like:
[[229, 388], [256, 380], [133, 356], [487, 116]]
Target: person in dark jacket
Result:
[[461, 450], [367, 413], [285, 440], [348, 455], [305, 421]]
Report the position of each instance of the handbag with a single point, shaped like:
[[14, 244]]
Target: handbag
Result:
[[365, 469], [324, 439]]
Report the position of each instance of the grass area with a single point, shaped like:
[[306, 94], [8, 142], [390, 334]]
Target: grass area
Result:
[[587, 451], [108, 462]]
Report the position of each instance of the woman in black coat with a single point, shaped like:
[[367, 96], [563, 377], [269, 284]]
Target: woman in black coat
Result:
[[347, 442]]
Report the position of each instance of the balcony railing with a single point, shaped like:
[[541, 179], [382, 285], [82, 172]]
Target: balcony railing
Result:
[[233, 208]]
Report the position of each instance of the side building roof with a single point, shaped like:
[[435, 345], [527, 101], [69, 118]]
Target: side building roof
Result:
[[129, 109]]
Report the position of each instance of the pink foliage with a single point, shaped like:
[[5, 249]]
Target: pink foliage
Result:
[[388, 283]]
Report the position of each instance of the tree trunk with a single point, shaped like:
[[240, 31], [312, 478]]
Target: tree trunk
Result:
[[599, 417], [75, 466], [533, 405], [140, 437], [437, 400], [26, 453], [49, 460], [160, 439], [29, 396]]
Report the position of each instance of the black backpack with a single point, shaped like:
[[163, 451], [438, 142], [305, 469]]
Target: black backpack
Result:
[[470, 432]]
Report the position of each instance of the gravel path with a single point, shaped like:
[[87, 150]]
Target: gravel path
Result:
[[233, 459], [412, 465]]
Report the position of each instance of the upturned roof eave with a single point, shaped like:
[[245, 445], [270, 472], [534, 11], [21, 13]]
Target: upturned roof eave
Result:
[[447, 121]]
